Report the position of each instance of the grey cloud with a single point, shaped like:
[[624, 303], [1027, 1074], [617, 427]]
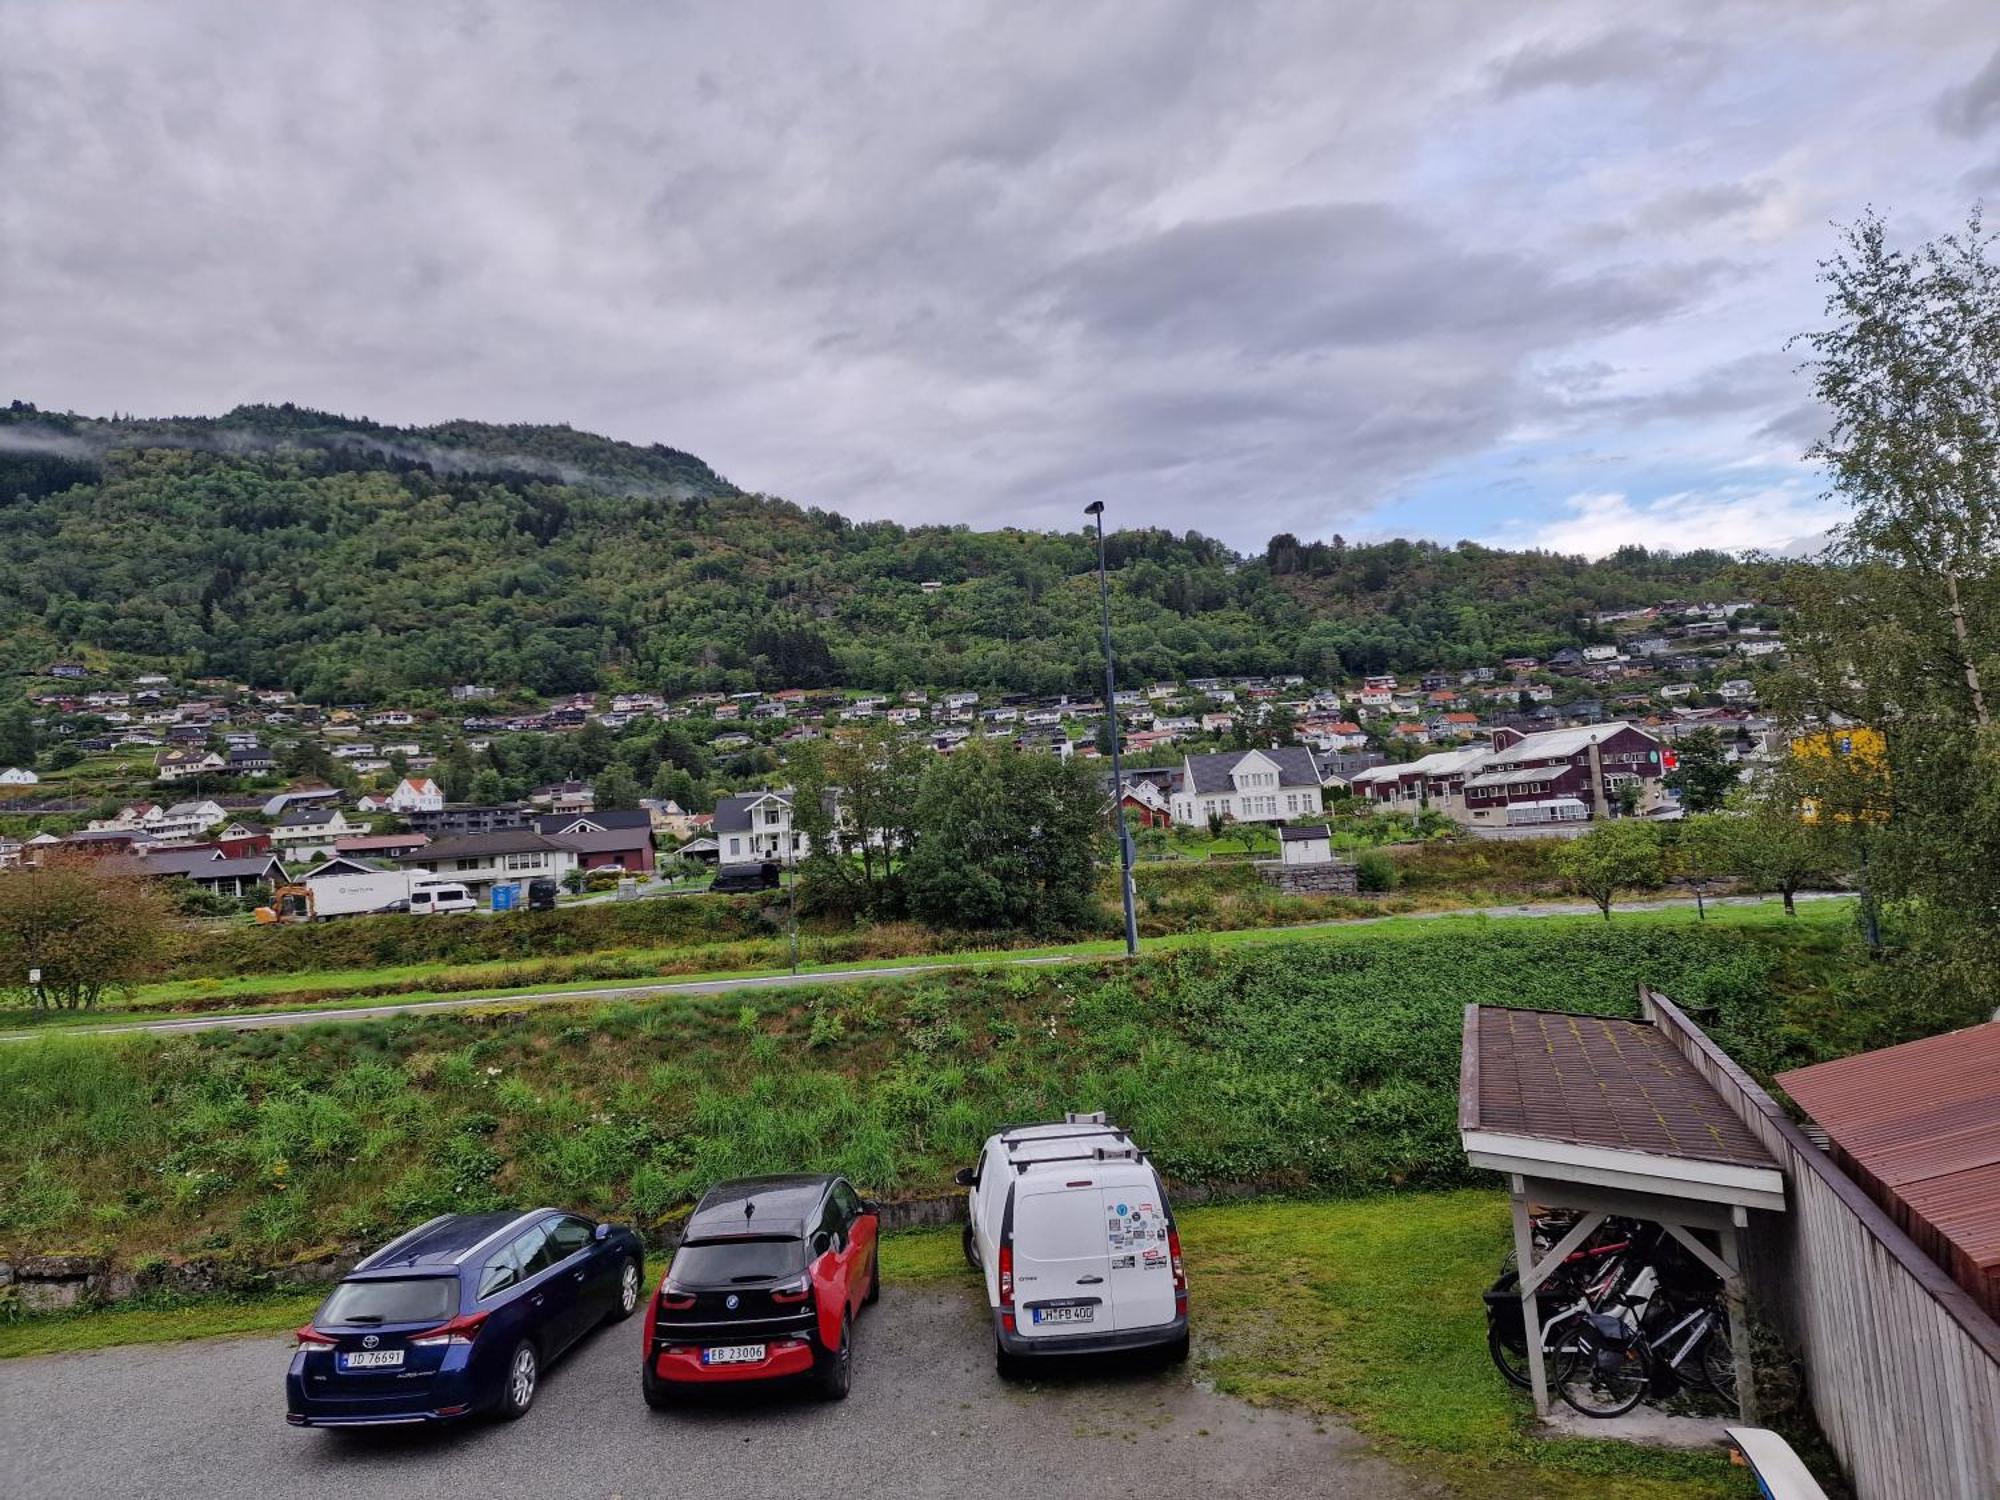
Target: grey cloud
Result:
[[1973, 107], [1620, 56], [1244, 268]]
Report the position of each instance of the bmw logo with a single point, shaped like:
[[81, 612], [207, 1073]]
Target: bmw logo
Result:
[[732, 1302], [369, 1341]]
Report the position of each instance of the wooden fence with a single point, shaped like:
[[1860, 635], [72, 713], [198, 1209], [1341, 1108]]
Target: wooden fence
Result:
[[1902, 1366]]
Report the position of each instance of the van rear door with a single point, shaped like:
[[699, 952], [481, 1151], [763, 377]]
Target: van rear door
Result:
[[1062, 1262], [1141, 1264]]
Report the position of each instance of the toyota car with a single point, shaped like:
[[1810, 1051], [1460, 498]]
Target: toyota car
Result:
[[459, 1316], [770, 1275]]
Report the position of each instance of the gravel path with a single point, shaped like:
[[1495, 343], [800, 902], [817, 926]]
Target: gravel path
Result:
[[927, 1417]]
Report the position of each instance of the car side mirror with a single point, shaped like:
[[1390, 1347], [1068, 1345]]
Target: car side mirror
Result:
[[821, 1243], [870, 1206], [966, 1177], [601, 1232]]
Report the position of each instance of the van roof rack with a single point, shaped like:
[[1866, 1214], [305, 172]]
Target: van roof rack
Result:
[[1026, 1143], [1097, 1154]]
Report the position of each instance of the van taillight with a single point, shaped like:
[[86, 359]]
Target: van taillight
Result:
[[1006, 1275], [1180, 1271], [460, 1330]]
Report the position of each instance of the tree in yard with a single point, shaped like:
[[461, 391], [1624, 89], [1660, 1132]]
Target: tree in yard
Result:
[[1898, 629], [1218, 822], [88, 929], [854, 799], [615, 786], [1773, 841], [1704, 775], [485, 787], [1613, 856], [1699, 850], [1006, 839]]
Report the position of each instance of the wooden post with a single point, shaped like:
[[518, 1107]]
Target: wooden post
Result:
[[1739, 1327], [1531, 1316]]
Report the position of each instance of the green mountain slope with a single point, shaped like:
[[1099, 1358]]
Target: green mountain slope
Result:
[[351, 561]]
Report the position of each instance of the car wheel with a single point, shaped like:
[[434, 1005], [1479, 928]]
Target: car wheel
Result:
[[971, 1247], [1007, 1366], [836, 1370], [524, 1375], [658, 1394], [1175, 1353], [628, 1292]]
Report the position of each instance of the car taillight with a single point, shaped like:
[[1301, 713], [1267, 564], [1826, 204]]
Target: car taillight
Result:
[[1006, 1275], [676, 1301], [1180, 1271], [460, 1330], [310, 1337], [798, 1291]]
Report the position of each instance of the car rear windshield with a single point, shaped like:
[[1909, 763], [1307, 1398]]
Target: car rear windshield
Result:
[[418, 1299], [724, 1262]]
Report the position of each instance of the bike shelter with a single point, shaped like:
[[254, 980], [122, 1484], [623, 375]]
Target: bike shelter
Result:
[[1606, 1117]]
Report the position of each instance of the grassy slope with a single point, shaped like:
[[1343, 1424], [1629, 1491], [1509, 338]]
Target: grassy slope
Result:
[[1328, 1065], [418, 983]]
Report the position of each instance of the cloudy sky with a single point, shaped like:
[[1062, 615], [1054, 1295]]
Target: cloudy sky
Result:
[[1516, 272]]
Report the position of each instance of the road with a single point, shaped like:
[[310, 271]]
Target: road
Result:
[[836, 976], [927, 1417]]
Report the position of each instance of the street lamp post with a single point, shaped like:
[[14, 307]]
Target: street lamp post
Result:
[[1096, 509]]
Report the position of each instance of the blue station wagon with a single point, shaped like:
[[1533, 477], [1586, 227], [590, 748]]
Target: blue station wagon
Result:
[[459, 1316]]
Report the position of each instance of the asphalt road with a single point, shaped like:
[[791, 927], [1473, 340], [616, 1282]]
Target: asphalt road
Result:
[[927, 1417], [785, 981]]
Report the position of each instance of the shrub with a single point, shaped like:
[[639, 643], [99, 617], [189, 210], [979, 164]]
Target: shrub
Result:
[[1375, 871]]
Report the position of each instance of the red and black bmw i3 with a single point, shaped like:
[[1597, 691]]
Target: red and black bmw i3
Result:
[[770, 1275]]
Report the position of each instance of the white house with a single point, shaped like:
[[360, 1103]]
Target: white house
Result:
[[1250, 786], [179, 765], [750, 827], [306, 835], [416, 794], [18, 776]]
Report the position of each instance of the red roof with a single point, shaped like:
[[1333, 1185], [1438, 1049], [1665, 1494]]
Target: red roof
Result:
[[1919, 1127]]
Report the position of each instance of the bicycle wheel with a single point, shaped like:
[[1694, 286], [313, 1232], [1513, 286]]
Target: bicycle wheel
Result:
[[1716, 1361], [1605, 1379], [1507, 1343]]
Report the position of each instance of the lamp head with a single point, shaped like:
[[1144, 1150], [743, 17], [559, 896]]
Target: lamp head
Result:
[[1095, 508]]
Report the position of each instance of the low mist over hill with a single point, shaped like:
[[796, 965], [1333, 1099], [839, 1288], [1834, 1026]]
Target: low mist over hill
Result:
[[347, 560]]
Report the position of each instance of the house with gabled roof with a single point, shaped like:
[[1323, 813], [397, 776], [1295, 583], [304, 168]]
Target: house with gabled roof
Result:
[[1249, 786]]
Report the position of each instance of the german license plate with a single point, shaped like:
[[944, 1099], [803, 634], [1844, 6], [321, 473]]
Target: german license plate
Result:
[[371, 1359], [1083, 1313], [733, 1354]]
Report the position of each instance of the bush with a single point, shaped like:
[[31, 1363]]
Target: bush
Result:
[[1375, 871]]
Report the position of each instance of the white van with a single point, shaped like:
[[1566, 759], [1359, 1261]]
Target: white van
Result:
[[435, 898], [1071, 1226]]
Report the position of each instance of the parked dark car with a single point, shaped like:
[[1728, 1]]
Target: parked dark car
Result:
[[542, 895], [766, 1285], [735, 879], [459, 1316]]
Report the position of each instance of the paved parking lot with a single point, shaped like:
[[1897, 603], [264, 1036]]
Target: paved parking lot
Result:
[[927, 1417]]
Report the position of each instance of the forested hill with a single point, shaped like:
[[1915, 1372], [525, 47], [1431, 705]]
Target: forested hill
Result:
[[350, 561]]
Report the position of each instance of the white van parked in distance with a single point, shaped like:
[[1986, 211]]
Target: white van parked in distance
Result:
[[1071, 1226]]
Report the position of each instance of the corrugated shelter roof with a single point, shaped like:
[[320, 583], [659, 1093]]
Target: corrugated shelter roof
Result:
[[1598, 1081], [1919, 1127]]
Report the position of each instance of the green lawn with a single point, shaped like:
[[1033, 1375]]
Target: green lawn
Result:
[[346, 989], [1367, 1309]]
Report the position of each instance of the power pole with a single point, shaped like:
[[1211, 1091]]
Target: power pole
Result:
[[1096, 509]]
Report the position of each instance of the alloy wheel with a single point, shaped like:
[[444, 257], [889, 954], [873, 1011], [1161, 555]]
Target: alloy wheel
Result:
[[628, 1288], [521, 1378]]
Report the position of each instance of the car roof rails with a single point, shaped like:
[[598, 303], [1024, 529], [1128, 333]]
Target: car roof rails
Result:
[[1024, 1148], [1127, 1152]]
